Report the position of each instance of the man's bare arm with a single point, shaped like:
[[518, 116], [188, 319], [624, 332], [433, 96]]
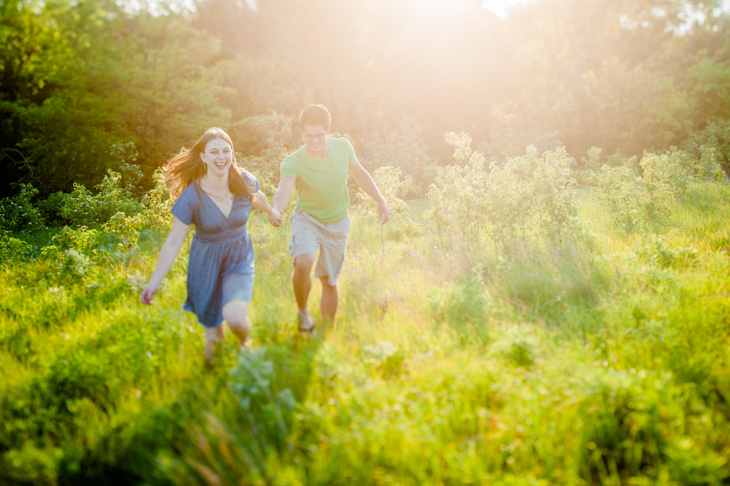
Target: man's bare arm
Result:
[[365, 181], [282, 194]]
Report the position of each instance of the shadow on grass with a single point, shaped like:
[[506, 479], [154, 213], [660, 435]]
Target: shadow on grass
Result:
[[239, 418]]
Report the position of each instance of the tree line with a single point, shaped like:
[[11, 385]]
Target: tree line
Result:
[[92, 85]]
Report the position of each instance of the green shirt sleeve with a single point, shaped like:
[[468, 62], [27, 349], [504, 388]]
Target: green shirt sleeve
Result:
[[288, 167]]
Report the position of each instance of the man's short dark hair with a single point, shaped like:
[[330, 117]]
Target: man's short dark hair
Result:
[[315, 115]]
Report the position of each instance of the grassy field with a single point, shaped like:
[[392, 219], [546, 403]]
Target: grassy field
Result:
[[605, 362]]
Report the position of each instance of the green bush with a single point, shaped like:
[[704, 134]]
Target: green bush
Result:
[[517, 346], [715, 135], [665, 178], [262, 143], [251, 384], [401, 147], [30, 464], [526, 200], [620, 190], [83, 208], [655, 250], [19, 212], [394, 187], [77, 376], [14, 249], [85, 241], [636, 198], [459, 194], [156, 206], [634, 426]]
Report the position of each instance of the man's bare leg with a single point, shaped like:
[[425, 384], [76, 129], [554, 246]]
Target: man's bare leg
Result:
[[329, 301], [302, 281]]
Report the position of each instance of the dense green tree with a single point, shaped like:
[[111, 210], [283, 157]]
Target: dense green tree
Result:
[[92, 84]]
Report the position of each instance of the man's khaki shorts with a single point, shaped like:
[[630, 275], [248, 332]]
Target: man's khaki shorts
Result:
[[309, 235]]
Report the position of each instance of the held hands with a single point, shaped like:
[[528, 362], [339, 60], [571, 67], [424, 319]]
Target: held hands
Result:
[[276, 217]]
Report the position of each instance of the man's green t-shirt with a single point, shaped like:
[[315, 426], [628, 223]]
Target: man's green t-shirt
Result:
[[322, 183]]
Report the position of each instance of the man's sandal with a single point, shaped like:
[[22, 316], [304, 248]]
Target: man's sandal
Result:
[[310, 331]]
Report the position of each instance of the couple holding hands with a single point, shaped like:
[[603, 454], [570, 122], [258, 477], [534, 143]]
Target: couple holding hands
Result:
[[214, 193]]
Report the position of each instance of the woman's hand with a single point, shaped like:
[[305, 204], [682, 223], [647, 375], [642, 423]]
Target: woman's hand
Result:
[[148, 294]]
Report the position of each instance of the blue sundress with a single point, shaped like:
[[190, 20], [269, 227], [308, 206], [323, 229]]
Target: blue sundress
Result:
[[221, 262]]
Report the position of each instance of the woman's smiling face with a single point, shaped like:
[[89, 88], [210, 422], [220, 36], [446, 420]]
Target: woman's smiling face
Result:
[[218, 156]]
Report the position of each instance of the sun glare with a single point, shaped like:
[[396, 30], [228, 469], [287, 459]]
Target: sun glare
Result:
[[501, 7], [438, 7]]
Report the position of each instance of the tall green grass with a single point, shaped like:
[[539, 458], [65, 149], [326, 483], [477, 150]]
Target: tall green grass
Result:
[[602, 360]]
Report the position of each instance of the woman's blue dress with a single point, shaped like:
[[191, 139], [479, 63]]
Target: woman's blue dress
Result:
[[221, 262]]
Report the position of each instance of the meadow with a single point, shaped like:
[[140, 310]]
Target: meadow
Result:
[[523, 325]]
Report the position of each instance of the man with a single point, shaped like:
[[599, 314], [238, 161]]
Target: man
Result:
[[319, 169]]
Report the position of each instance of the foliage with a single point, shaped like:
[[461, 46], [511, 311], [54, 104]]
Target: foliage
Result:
[[19, 212], [80, 82], [514, 338], [459, 195], [394, 187], [251, 382], [635, 199], [527, 197], [716, 135], [265, 141], [402, 147], [563, 363], [621, 189], [83, 208], [665, 179], [157, 205], [127, 231], [656, 251], [14, 249]]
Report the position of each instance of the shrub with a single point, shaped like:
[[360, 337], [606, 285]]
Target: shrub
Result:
[[13, 249], [708, 168], [19, 212], [402, 148], [665, 179], [30, 465], [88, 242], [620, 190], [655, 250], [74, 264], [78, 376], [633, 198], [518, 346], [126, 229], [526, 199], [83, 208], [156, 206], [393, 186], [251, 384], [633, 427], [458, 195], [264, 141], [716, 135]]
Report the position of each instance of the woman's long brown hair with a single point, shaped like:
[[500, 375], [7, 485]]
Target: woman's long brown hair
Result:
[[186, 167]]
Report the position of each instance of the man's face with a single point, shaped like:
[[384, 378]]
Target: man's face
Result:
[[315, 138]]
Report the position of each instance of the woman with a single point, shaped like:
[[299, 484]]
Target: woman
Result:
[[213, 193]]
